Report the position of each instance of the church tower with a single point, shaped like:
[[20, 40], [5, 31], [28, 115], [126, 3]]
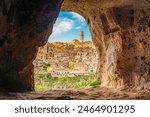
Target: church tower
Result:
[[82, 36]]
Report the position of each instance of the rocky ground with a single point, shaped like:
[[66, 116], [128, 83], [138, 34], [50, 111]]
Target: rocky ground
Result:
[[87, 94]]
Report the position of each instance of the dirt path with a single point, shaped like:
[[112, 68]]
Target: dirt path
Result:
[[87, 94]]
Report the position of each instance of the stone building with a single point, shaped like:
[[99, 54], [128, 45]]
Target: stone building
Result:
[[68, 59]]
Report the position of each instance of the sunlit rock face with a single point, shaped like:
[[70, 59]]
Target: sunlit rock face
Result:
[[120, 30]]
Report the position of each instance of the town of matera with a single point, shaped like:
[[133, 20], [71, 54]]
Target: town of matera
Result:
[[67, 59]]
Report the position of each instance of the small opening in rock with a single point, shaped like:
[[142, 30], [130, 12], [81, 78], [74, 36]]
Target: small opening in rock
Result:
[[131, 11], [140, 28], [2, 42], [94, 17], [132, 20], [69, 59], [143, 58]]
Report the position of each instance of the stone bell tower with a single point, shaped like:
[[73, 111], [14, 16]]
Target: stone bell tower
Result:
[[82, 36]]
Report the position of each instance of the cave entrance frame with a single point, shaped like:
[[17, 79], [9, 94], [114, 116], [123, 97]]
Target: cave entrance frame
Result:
[[81, 38], [28, 24]]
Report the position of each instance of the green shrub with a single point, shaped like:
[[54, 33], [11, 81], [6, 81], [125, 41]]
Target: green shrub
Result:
[[45, 66], [46, 81], [41, 87]]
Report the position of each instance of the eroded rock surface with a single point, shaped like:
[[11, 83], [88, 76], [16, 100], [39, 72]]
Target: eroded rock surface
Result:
[[24, 25], [120, 31], [82, 94]]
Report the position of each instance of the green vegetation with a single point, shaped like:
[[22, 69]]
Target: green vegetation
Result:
[[46, 81], [45, 66]]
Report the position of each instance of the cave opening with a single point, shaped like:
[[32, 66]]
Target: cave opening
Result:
[[119, 31], [69, 59]]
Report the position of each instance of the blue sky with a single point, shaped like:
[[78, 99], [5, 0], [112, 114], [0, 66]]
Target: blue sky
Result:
[[68, 26]]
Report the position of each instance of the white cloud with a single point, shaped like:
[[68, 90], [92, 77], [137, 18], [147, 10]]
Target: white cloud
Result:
[[78, 16], [62, 26], [78, 27]]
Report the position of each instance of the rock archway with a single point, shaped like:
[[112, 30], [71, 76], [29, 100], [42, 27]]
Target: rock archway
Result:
[[120, 30]]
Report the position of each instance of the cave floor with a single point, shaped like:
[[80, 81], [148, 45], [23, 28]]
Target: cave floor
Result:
[[87, 94]]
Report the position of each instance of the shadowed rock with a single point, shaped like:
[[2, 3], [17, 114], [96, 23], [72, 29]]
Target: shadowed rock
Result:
[[120, 31]]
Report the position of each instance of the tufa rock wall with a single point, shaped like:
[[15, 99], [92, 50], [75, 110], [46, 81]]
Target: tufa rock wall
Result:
[[120, 31], [24, 25]]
